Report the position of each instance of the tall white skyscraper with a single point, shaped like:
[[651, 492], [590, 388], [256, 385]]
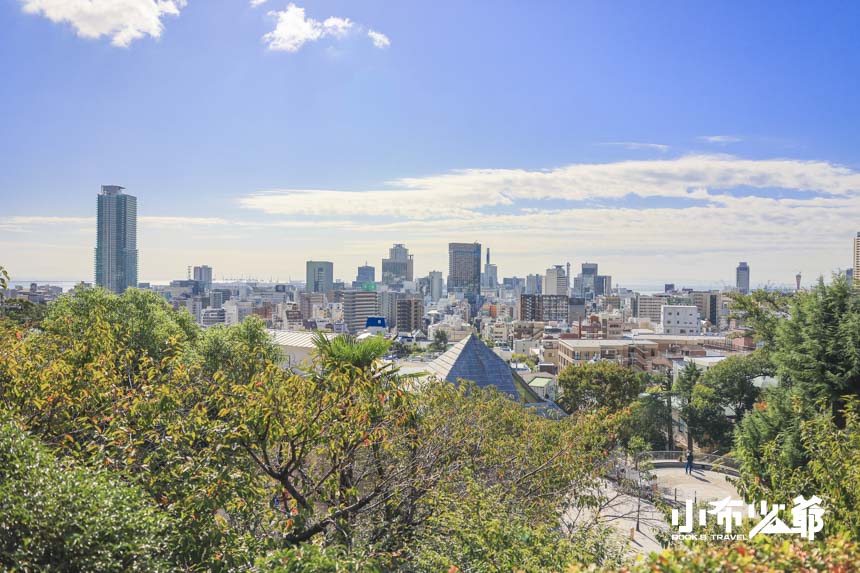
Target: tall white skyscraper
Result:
[[116, 240]]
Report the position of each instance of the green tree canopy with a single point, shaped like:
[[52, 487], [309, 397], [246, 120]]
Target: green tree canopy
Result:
[[599, 385], [57, 516]]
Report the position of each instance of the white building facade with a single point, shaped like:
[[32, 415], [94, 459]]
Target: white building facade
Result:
[[680, 320]]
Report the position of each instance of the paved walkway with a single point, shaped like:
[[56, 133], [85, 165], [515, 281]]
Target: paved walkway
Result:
[[620, 511], [702, 485]]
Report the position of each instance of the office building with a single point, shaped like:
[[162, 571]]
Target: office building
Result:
[[534, 284], [602, 285], [320, 277], [464, 268], [490, 278], [680, 320], [212, 316], [649, 307], [216, 299], [515, 284], [576, 310], [544, 307], [398, 267], [590, 284], [742, 278], [437, 285], [235, 311], [556, 281], [203, 275], [116, 241], [358, 305], [708, 304], [366, 274], [310, 303]]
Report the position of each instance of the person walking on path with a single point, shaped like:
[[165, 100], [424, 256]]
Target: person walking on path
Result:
[[689, 468]]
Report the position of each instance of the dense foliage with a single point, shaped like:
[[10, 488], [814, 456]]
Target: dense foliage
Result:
[[131, 439], [246, 459], [63, 516], [814, 349], [762, 555], [599, 385]]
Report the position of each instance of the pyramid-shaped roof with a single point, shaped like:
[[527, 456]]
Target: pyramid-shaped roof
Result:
[[471, 359]]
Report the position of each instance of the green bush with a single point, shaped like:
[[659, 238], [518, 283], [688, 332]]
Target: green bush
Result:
[[58, 517]]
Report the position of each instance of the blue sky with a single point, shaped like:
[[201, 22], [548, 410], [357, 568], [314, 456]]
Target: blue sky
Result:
[[664, 140]]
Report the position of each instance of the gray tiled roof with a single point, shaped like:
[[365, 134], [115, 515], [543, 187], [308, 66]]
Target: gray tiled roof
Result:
[[471, 359]]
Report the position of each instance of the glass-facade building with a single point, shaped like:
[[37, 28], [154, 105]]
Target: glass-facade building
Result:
[[464, 269], [116, 240]]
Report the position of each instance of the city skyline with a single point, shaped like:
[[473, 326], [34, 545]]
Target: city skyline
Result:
[[435, 129], [117, 225]]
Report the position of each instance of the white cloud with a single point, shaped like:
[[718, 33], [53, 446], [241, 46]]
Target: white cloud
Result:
[[123, 20], [682, 210], [336, 27], [720, 139], [294, 29], [462, 193], [255, 3], [639, 146], [379, 39]]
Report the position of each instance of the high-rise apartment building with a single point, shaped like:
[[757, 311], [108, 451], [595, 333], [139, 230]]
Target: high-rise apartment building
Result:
[[742, 278], [398, 267], [650, 307], [410, 314], [116, 241], [320, 276], [358, 305], [856, 272], [556, 281], [203, 275], [388, 305], [464, 268], [544, 307]]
